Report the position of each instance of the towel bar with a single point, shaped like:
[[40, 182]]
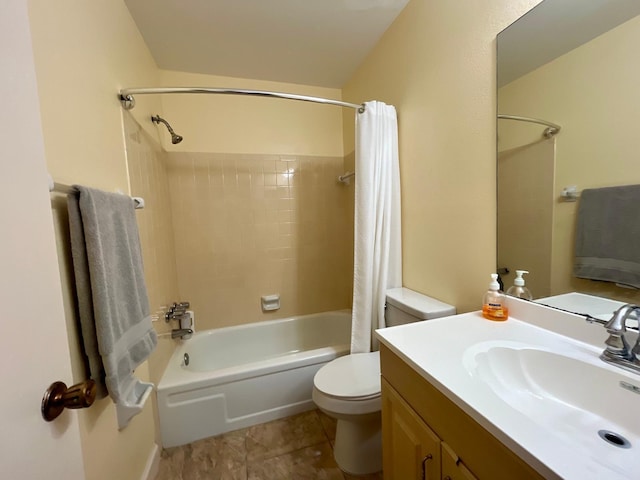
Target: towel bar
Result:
[[66, 189], [570, 194]]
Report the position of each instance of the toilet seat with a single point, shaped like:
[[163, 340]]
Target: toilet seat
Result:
[[349, 384]]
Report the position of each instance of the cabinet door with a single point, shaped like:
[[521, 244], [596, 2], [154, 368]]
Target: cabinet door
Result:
[[410, 449], [452, 466]]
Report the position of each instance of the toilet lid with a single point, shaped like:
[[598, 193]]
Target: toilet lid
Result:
[[350, 377]]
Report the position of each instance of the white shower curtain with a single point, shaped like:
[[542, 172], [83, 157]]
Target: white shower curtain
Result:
[[377, 243]]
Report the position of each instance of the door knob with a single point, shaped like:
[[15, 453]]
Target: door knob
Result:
[[58, 397]]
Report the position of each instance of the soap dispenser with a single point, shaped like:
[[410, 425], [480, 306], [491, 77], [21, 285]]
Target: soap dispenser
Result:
[[494, 302], [518, 289]]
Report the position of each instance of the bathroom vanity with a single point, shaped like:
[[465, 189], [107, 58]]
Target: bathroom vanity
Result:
[[413, 410], [529, 398]]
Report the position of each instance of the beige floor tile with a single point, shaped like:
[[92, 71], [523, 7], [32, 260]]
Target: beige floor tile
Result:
[[311, 463], [329, 425], [171, 464], [221, 457], [290, 448], [283, 436]]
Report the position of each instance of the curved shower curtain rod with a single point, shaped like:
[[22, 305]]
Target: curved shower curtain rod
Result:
[[128, 101], [549, 132]]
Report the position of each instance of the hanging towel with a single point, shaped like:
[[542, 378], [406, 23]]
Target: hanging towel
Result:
[[112, 297], [607, 233]]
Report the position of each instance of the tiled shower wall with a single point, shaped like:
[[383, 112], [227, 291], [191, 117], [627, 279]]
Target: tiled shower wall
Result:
[[253, 225], [148, 179]]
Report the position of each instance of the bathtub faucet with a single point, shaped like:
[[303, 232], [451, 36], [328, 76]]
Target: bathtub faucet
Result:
[[182, 333], [176, 311]]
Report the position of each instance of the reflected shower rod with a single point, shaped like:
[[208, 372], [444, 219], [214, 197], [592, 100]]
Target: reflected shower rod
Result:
[[127, 99], [551, 130]]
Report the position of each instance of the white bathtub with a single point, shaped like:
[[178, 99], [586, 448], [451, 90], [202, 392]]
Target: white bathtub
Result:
[[245, 375]]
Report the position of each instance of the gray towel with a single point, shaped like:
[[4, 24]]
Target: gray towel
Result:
[[608, 235], [112, 297]]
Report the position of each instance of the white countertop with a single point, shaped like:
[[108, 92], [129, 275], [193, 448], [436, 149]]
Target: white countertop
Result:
[[556, 443]]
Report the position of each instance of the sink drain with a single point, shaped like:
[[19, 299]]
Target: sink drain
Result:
[[614, 439]]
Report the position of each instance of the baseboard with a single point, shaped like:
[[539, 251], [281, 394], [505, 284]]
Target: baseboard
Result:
[[153, 462]]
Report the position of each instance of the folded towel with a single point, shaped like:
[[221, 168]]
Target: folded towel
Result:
[[83, 294], [607, 232], [112, 296]]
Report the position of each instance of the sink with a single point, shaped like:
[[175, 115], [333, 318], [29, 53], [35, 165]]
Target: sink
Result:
[[572, 394]]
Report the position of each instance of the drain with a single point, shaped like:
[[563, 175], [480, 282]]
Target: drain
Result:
[[614, 439], [186, 359]]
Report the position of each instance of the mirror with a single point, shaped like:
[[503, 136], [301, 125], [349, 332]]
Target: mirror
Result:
[[574, 63]]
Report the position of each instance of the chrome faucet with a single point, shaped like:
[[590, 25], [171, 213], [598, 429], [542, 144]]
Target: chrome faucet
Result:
[[618, 351], [182, 333], [176, 311]]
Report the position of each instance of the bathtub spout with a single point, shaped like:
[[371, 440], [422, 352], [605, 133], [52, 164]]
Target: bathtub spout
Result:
[[182, 333]]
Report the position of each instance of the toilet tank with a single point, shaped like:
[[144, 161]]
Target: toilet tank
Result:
[[406, 306]]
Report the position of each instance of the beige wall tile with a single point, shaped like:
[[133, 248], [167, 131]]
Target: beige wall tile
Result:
[[251, 225], [148, 179]]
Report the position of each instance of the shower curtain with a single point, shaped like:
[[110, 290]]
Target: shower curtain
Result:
[[377, 242]]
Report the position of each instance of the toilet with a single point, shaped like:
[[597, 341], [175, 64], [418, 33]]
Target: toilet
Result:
[[348, 388]]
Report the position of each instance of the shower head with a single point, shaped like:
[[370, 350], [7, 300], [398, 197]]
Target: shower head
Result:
[[175, 138]]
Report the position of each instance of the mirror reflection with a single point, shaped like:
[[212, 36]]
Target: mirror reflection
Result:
[[573, 63]]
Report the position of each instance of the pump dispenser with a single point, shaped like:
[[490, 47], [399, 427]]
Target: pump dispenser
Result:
[[494, 302], [518, 289]]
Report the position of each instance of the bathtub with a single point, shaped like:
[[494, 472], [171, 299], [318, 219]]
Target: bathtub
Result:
[[244, 375]]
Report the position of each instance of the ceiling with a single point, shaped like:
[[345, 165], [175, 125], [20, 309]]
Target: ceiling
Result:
[[309, 42], [554, 28]]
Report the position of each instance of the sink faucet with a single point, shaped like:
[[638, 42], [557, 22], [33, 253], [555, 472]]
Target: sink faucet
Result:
[[182, 333], [618, 351]]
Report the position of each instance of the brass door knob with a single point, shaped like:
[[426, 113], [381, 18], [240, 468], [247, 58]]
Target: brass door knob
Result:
[[58, 397]]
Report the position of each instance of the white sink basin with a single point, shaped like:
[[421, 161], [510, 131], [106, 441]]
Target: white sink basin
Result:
[[574, 396]]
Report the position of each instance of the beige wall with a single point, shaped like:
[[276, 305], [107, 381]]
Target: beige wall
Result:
[[592, 93], [525, 214], [85, 52], [255, 125], [253, 225], [436, 64]]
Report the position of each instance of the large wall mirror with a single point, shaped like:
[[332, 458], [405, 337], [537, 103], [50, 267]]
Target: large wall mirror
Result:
[[574, 63]]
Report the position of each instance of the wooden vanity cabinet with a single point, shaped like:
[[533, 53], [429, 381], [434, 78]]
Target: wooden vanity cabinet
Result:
[[452, 466], [422, 428], [410, 450]]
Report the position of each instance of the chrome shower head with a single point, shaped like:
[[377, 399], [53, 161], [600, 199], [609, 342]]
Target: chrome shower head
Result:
[[175, 138]]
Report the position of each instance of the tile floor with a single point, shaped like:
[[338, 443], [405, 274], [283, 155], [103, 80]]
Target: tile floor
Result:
[[294, 448]]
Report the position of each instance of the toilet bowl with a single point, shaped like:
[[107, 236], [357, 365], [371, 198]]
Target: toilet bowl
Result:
[[348, 388]]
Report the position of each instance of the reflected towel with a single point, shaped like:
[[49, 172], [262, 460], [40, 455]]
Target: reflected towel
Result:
[[112, 296], [607, 233]]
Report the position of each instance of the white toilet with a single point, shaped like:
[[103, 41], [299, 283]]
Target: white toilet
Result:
[[348, 388]]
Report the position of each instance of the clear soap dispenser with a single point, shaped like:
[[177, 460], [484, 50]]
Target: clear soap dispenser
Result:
[[518, 289], [494, 302]]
